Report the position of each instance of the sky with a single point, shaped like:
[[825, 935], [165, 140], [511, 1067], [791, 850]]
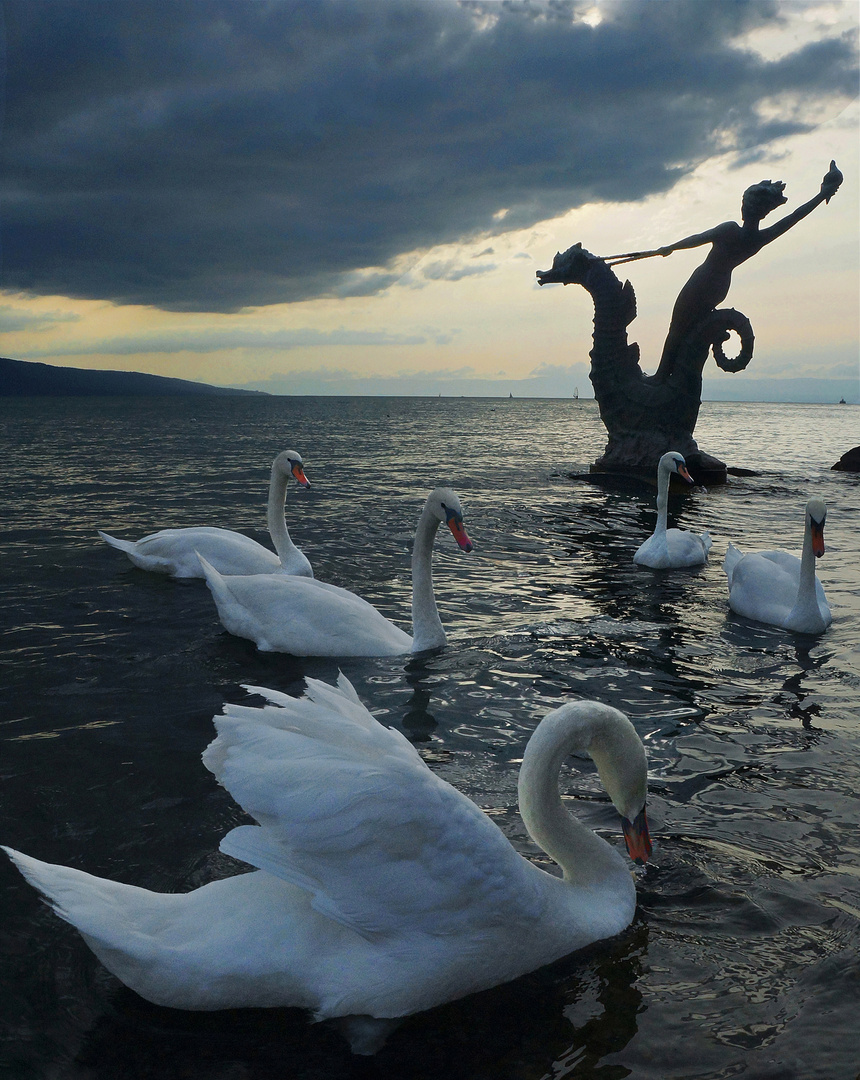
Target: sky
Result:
[[354, 196]]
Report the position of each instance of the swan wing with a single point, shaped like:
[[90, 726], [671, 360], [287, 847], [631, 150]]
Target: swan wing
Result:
[[302, 616], [348, 811], [673, 549], [763, 585], [175, 552], [229, 552], [686, 548]]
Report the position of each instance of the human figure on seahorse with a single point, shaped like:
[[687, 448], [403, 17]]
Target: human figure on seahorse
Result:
[[647, 415], [731, 245]]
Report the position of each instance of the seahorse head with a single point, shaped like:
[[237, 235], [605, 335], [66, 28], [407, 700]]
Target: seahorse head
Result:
[[568, 267]]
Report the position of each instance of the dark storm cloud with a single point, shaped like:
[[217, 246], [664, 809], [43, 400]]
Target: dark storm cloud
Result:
[[213, 155]]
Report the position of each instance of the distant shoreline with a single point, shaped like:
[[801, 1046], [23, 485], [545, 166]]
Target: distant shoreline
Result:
[[25, 378]]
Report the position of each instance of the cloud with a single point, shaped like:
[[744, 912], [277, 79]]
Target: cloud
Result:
[[13, 320], [214, 156], [452, 270], [217, 339]]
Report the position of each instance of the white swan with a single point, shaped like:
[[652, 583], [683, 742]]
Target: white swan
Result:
[[312, 618], [778, 588], [668, 548], [174, 551], [381, 890]]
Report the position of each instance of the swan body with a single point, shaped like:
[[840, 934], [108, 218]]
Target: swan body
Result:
[[379, 889], [776, 587], [306, 617], [670, 548], [175, 551]]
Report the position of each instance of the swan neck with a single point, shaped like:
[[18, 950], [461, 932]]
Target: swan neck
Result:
[[427, 630], [584, 857], [806, 583], [662, 499], [275, 514]]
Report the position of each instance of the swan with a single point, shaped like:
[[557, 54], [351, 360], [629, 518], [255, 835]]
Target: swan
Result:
[[668, 548], [778, 588], [174, 551], [306, 617], [378, 890]]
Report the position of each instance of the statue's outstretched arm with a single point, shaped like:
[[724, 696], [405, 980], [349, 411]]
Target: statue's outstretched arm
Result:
[[696, 240], [829, 187]]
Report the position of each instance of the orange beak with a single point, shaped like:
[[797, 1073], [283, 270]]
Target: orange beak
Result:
[[682, 471], [455, 524], [637, 838], [817, 538], [299, 473]]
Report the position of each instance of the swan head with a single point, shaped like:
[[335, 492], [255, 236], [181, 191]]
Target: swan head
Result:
[[816, 513], [673, 462], [611, 741], [290, 464], [619, 755], [444, 505]]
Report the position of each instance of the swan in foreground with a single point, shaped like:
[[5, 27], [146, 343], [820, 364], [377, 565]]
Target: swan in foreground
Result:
[[312, 618], [379, 889], [778, 588], [174, 551], [668, 548]]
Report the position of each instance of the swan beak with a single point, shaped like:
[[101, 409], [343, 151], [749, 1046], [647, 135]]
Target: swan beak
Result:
[[455, 524], [637, 838], [682, 471], [299, 473], [817, 538]]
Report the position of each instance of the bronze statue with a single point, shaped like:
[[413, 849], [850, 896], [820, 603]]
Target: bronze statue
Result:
[[649, 415]]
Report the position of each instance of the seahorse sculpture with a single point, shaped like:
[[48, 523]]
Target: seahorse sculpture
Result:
[[647, 415]]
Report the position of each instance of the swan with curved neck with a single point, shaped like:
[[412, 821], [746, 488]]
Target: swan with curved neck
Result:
[[776, 587], [312, 618], [670, 548], [378, 890], [175, 551]]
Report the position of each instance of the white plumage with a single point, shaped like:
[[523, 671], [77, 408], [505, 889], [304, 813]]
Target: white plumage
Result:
[[667, 548], [380, 889], [175, 551], [313, 618], [776, 587]]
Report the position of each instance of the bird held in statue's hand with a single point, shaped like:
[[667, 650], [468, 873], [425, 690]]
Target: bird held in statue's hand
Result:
[[830, 183]]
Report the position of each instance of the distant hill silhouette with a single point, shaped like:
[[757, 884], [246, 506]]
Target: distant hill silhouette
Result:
[[23, 378]]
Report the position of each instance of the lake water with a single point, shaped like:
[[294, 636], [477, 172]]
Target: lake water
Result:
[[743, 958]]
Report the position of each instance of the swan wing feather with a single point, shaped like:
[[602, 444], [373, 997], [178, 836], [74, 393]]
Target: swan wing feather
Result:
[[302, 616], [348, 810], [673, 549], [229, 552], [763, 583]]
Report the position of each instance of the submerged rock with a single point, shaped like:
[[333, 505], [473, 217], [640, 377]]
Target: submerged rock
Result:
[[849, 462]]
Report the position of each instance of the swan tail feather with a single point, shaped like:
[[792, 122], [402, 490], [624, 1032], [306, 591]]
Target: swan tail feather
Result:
[[733, 557], [93, 905], [231, 611], [121, 545], [143, 562]]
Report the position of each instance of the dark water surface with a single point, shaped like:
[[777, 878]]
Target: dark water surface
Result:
[[743, 959]]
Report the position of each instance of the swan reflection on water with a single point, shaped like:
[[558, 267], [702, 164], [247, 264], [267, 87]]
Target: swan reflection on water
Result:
[[575, 1011]]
